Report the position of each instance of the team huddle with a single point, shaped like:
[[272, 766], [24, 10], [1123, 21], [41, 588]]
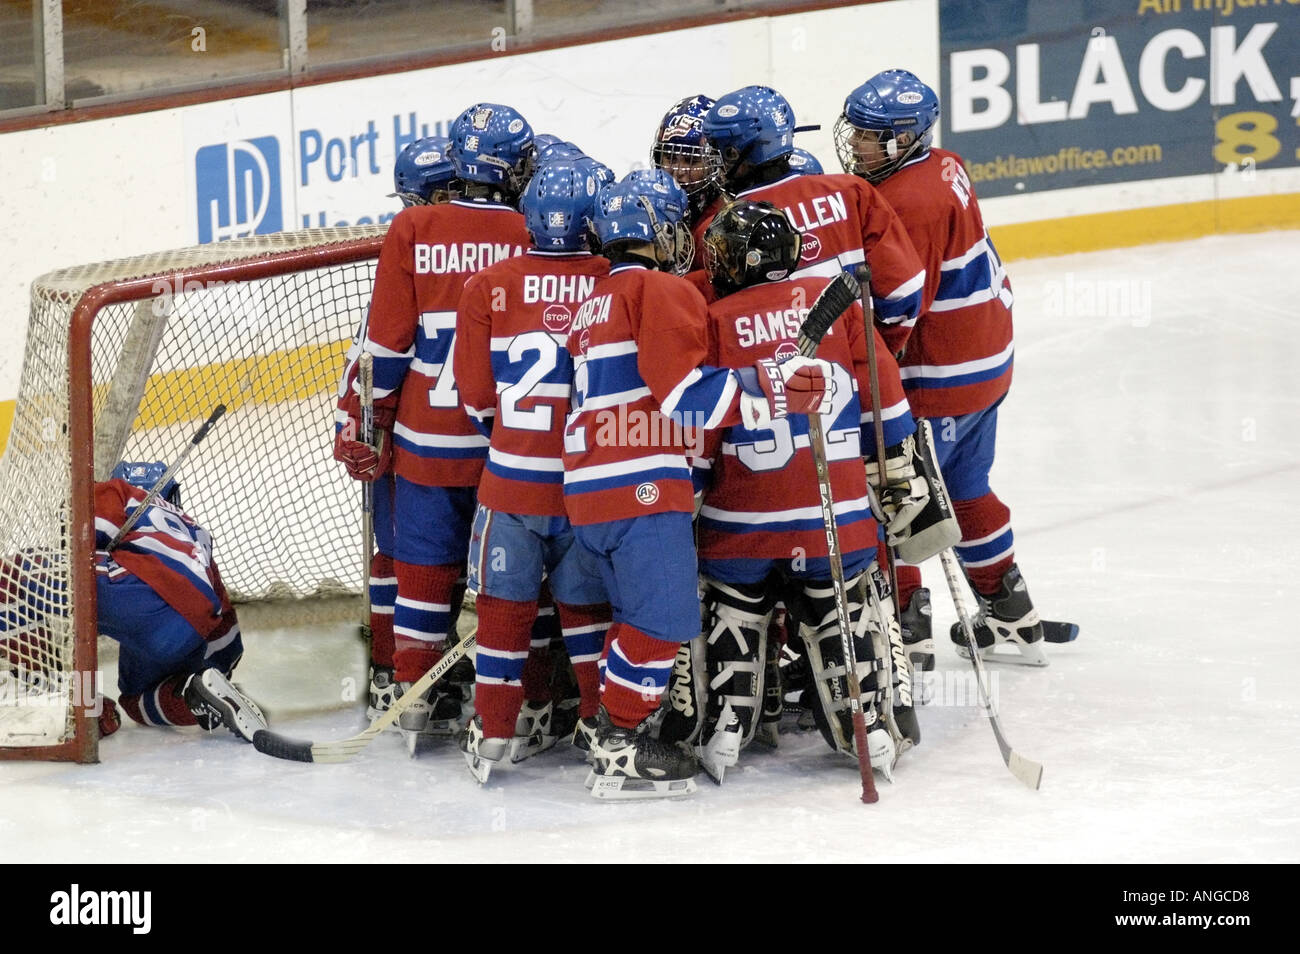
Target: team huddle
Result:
[[591, 431], [604, 449]]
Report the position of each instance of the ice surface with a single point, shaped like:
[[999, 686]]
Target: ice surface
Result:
[[1149, 453]]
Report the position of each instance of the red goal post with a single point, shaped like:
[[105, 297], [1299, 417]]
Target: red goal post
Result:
[[123, 359]]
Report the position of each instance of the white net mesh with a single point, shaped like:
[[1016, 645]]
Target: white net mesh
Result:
[[284, 516]]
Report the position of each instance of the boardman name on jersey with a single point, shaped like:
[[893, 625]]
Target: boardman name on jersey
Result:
[[557, 288], [461, 256]]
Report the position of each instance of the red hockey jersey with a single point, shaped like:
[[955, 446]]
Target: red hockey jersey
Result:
[[958, 358], [640, 395], [428, 255], [514, 372], [839, 217], [166, 549], [762, 498]]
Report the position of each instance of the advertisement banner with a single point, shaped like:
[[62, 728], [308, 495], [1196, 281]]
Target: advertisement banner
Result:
[[1040, 96]]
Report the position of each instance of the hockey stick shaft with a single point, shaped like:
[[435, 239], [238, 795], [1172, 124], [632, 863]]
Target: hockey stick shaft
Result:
[[815, 327], [134, 516], [1028, 771], [366, 389], [341, 750], [877, 421]]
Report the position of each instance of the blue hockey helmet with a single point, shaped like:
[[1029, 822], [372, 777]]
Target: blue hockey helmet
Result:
[[604, 174], [887, 120], [751, 126], [560, 149], [557, 205], [646, 206], [542, 140], [422, 169], [805, 163], [144, 474], [679, 147], [492, 144]]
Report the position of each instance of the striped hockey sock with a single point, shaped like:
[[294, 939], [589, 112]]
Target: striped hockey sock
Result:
[[504, 628], [421, 616], [584, 627], [986, 549], [636, 672], [161, 704], [383, 598]]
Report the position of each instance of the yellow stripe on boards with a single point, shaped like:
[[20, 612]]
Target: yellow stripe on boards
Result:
[[1162, 223], [192, 393]]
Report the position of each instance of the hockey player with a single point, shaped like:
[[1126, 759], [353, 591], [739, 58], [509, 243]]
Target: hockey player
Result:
[[514, 374], [640, 392], [422, 175], [843, 220], [679, 149], [436, 452], [761, 513], [805, 163], [160, 595], [956, 363]]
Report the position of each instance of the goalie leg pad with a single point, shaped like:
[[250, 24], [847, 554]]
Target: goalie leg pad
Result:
[[825, 653], [735, 633], [898, 704], [687, 694]]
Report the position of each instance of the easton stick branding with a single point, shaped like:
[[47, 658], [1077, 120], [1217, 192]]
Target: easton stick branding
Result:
[[77, 907]]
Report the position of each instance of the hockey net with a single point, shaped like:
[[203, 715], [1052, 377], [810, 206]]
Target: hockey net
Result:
[[123, 361]]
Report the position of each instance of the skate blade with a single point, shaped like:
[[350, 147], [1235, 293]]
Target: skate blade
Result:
[[769, 733], [525, 747], [619, 788], [722, 752], [1054, 632], [1029, 654], [481, 769]]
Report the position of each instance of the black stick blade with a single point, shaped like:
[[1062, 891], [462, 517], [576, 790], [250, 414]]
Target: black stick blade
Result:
[[281, 747], [834, 300]]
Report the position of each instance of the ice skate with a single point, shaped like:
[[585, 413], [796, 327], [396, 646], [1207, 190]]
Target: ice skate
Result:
[[1005, 617], [533, 731], [383, 692], [433, 715], [721, 748], [481, 753], [584, 735], [215, 702], [628, 764]]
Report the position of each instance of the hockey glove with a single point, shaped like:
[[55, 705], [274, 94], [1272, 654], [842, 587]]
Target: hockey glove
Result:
[[364, 462], [918, 515], [770, 391]]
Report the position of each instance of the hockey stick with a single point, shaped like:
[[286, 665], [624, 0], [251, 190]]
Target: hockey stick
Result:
[[366, 387], [877, 423], [1027, 770], [341, 750], [830, 304], [134, 517]]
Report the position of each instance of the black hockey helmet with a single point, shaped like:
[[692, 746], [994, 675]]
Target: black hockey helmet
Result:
[[749, 243]]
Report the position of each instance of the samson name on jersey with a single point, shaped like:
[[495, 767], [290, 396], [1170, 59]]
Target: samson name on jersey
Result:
[[428, 255], [514, 371]]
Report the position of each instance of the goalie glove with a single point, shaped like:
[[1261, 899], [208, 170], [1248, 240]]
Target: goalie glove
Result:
[[770, 391], [917, 511]]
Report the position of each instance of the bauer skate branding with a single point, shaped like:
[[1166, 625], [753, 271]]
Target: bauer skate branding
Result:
[[74, 907]]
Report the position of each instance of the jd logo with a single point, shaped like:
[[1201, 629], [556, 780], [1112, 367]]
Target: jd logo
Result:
[[238, 189]]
